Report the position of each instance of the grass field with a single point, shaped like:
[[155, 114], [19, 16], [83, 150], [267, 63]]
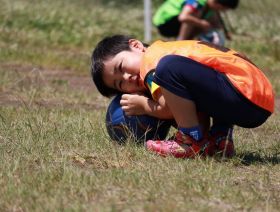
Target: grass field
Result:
[[54, 151]]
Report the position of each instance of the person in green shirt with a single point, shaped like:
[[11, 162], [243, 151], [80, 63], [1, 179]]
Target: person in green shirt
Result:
[[193, 19]]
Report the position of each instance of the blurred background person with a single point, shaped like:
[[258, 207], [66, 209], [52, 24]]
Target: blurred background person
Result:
[[194, 19]]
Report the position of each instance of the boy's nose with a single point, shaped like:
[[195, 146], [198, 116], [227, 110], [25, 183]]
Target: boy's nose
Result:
[[127, 76]]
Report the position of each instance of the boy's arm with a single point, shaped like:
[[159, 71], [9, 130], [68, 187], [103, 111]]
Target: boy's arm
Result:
[[136, 104], [187, 15], [189, 21]]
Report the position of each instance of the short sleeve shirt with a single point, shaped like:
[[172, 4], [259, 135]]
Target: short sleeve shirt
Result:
[[199, 7]]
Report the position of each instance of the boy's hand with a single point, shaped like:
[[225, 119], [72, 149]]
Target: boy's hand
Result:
[[205, 25], [133, 104], [138, 104]]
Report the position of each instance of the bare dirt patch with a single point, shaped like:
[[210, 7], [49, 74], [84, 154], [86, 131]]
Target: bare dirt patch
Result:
[[24, 78]]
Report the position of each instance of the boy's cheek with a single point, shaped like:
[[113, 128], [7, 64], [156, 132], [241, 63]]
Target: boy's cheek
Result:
[[141, 83]]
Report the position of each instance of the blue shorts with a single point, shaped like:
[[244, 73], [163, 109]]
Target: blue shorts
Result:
[[210, 90]]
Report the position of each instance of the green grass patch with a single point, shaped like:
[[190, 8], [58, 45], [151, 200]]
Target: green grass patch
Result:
[[54, 150]]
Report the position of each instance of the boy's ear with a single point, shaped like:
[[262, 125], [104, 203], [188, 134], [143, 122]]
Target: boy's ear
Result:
[[136, 44]]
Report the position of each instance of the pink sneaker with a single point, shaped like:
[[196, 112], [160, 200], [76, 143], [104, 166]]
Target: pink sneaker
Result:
[[183, 146]]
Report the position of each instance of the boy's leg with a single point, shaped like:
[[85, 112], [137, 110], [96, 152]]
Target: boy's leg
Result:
[[221, 135], [185, 114], [208, 89], [204, 122], [189, 141], [170, 28], [188, 31], [177, 104]]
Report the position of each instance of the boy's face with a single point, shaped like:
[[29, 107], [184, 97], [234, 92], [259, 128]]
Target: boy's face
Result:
[[121, 71]]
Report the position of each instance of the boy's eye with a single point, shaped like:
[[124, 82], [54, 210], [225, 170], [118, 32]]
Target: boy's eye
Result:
[[120, 67], [120, 84]]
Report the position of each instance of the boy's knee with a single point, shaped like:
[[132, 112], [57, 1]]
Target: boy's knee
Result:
[[164, 64]]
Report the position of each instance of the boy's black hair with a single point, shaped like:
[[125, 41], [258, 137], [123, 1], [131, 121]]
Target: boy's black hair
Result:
[[106, 48], [229, 3]]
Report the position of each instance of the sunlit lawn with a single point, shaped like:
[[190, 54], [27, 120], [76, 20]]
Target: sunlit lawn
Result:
[[54, 150]]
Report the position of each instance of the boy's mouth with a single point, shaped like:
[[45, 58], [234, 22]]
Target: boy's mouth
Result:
[[136, 79], [140, 82]]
